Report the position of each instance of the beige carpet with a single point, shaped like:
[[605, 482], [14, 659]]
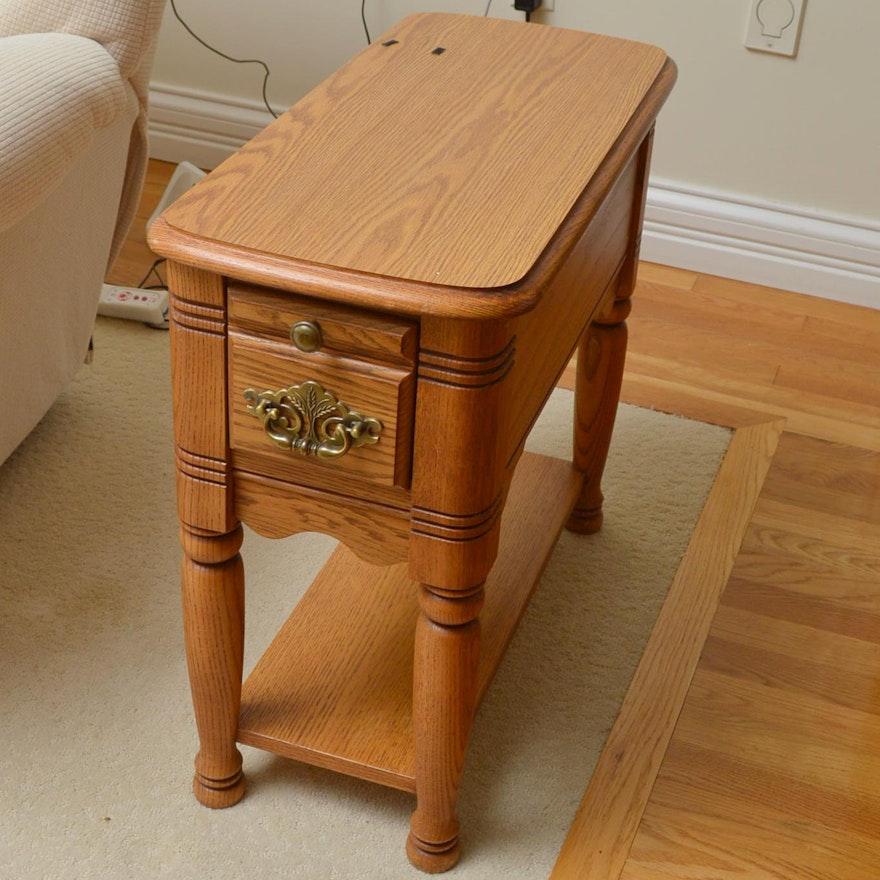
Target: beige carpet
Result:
[[97, 737]]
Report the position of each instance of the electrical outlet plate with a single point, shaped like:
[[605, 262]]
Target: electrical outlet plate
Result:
[[775, 26]]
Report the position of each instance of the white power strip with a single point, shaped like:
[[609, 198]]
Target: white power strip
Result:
[[184, 178], [135, 304]]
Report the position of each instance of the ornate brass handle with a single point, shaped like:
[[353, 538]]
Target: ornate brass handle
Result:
[[311, 421]]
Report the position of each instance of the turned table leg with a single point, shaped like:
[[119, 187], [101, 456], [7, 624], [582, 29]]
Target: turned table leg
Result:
[[212, 577], [445, 689], [213, 616], [458, 489], [601, 357], [600, 363]]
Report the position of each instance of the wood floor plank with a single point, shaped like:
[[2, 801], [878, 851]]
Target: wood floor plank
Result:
[[826, 612], [712, 846], [730, 318], [843, 541], [681, 279], [855, 380], [812, 347], [853, 688], [758, 630], [814, 307], [850, 590], [841, 479], [826, 360], [792, 733], [853, 336], [717, 381], [749, 359], [773, 769], [681, 398], [608, 818], [696, 777], [806, 413]]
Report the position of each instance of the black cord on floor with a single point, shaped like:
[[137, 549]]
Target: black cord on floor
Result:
[[153, 271]]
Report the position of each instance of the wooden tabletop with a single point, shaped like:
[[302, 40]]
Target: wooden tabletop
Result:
[[449, 152]]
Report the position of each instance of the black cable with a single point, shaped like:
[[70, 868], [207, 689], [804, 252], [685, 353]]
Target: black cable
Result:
[[153, 271], [198, 39], [364, 20]]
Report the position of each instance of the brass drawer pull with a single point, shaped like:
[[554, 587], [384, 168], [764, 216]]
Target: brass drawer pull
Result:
[[311, 421], [306, 335]]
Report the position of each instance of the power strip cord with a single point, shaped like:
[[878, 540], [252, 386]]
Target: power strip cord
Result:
[[216, 51], [266, 71]]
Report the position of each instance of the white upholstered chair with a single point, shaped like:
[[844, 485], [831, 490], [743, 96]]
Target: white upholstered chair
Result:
[[73, 107]]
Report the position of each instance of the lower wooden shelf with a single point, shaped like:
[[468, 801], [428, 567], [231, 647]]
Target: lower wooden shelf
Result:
[[334, 688]]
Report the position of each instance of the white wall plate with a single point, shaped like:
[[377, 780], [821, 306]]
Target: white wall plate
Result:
[[775, 26]]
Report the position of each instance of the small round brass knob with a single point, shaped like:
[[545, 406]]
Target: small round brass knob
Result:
[[306, 335]]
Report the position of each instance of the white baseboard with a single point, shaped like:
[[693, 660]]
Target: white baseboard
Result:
[[716, 233], [200, 128], [774, 245]]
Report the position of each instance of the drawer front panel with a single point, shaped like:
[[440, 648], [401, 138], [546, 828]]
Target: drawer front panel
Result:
[[349, 333], [333, 408], [375, 400]]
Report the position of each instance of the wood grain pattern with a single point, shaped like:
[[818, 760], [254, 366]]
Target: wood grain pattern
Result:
[[376, 533], [365, 359], [464, 388], [351, 333], [772, 771], [600, 366], [551, 334], [368, 388], [422, 206], [611, 126], [689, 354], [445, 126], [212, 581], [198, 351], [361, 711], [739, 833], [609, 815]]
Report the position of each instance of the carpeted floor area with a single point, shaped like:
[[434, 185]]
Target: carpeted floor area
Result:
[[97, 734]]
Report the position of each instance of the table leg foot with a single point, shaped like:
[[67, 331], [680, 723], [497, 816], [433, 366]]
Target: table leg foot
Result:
[[599, 377], [219, 793], [447, 651], [585, 521], [213, 615], [432, 858]]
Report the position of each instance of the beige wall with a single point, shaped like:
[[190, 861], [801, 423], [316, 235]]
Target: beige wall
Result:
[[801, 132]]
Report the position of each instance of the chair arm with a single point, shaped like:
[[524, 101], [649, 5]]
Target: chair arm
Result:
[[56, 92]]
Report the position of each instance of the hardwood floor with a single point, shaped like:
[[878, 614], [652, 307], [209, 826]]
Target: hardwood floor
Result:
[[760, 756], [737, 353], [773, 768]]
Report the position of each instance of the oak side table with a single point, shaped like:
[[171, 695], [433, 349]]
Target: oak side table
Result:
[[371, 302]]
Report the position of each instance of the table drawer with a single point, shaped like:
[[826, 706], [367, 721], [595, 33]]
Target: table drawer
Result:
[[329, 403]]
